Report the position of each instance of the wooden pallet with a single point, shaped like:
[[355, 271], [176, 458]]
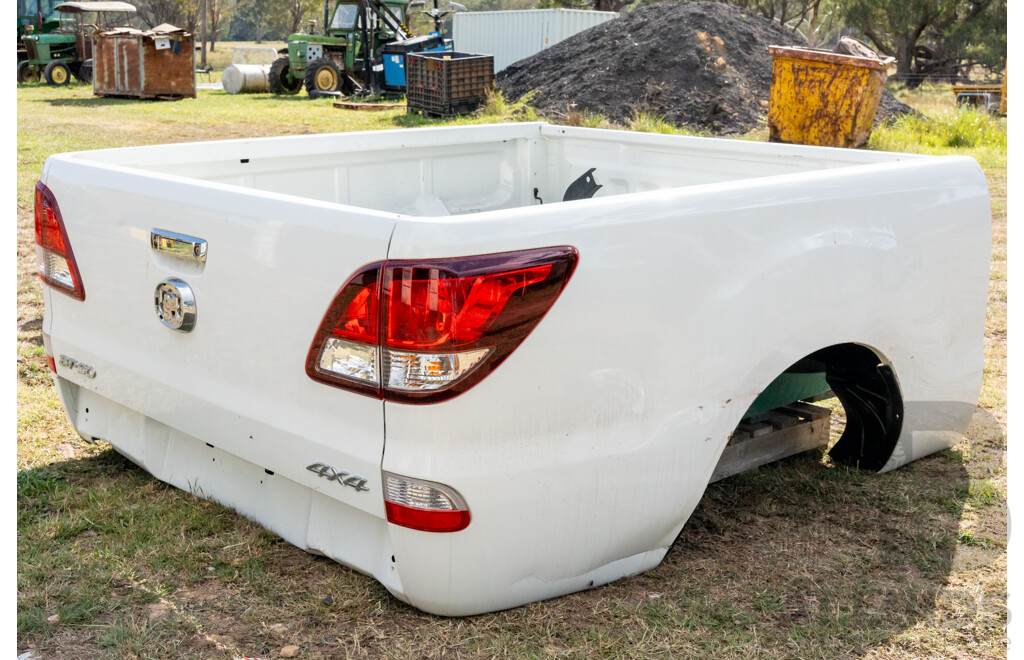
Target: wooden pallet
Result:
[[773, 436], [368, 107]]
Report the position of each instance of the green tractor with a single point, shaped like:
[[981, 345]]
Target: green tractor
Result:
[[35, 17], [342, 59], [67, 50]]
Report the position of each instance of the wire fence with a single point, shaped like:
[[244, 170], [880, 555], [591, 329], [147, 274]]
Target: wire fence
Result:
[[940, 78]]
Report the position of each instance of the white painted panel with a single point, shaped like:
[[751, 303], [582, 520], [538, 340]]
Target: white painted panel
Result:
[[706, 267], [513, 35]]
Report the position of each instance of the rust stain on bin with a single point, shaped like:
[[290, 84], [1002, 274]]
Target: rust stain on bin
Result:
[[127, 62], [823, 98]]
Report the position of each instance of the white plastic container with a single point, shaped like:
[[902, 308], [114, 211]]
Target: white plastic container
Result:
[[513, 35]]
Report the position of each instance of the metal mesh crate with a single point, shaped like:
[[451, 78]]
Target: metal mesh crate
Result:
[[447, 83]]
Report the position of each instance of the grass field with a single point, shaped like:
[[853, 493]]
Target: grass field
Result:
[[799, 559], [221, 57]]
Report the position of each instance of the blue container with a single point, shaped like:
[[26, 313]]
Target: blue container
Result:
[[394, 69]]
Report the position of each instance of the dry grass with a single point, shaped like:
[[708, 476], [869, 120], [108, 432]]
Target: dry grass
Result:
[[799, 559]]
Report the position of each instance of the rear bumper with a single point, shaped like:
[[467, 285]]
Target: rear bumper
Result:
[[301, 515], [481, 569]]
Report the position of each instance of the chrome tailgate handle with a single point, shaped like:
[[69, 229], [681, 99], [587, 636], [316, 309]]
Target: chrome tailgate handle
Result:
[[178, 245]]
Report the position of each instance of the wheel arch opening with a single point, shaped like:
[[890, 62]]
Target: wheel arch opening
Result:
[[867, 387], [865, 384]]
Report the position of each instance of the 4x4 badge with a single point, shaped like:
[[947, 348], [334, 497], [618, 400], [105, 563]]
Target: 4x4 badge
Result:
[[343, 478]]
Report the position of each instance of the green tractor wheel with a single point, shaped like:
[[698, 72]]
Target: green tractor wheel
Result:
[[27, 73], [280, 78], [57, 73], [323, 75]]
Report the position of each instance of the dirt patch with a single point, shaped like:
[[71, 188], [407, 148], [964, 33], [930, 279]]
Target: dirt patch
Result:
[[703, 65]]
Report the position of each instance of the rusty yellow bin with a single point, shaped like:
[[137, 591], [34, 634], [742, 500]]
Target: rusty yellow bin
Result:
[[823, 98]]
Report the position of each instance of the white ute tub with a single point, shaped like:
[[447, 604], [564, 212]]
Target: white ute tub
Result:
[[574, 424]]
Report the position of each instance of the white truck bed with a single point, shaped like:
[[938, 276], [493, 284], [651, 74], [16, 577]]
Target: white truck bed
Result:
[[704, 269]]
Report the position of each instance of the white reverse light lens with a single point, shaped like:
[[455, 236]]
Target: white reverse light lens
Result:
[[349, 359], [420, 494], [427, 372], [54, 267]]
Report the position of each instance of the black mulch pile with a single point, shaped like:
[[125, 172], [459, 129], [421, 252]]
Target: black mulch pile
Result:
[[704, 65]]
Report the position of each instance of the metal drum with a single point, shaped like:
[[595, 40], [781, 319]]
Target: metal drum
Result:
[[249, 70], [241, 78]]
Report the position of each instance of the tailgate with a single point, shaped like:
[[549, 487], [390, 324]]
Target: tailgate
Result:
[[237, 381]]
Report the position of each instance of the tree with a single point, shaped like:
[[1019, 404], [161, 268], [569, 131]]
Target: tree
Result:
[[190, 14], [597, 5], [179, 13], [979, 36], [155, 12], [298, 10], [812, 19], [920, 29], [790, 13], [219, 11], [260, 14]]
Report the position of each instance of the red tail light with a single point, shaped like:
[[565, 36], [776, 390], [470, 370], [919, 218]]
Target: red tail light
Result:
[[428, 308], [424, 505], [49, 353], [426, 520], [57, 266], [425, 331]]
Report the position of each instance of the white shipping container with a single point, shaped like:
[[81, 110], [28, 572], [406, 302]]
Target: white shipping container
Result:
[[513, 35]]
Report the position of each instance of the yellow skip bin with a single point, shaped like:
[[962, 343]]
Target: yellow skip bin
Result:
[[823, 98]]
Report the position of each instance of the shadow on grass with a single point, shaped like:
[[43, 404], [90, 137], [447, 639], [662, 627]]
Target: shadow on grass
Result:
[[796, 559], [34, 326], [37, 485], [101, 101], [416, 120], [802, 554]]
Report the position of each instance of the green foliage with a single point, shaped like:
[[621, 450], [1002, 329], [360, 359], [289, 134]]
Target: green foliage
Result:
[[182, 13], [983, 493], [949, 30], [597, 5], [971, 539], [981, 37], [37, 484], [965, 128], [648, 123], [501, 5], [258, 20], [497, 108], [587, 119], [296, 12]]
